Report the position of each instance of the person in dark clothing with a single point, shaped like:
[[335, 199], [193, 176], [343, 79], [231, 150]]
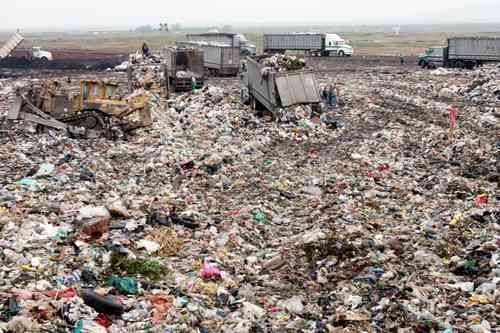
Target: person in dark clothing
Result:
[[145, 50], [332, 95], [324, 94]]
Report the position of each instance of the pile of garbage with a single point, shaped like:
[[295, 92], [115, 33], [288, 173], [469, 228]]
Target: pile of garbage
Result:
[[283, 63], [6, 90], [484, 90], [216, 220], [149, 74]]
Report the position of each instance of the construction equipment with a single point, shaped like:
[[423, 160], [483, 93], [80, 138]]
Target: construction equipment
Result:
[[95, 109], [272, 90]]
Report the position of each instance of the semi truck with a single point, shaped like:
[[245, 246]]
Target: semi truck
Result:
[[315, 44], [182, 64], [462, 52], [272, 90], [218, 59], [230, 39]]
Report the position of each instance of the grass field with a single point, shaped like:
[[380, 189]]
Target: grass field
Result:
[[365, 43]]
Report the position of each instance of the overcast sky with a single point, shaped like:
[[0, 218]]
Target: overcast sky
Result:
[[28, 14]]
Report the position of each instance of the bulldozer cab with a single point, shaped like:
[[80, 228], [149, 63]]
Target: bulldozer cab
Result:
[[102, 96], [93, 91]]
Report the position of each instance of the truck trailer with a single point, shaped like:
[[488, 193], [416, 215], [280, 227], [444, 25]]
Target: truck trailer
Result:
[[182, 64], [262, 88], [230, 39], [219, 59], [315, 44], [462, 52]]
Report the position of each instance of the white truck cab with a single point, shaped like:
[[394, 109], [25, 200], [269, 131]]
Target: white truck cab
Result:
[[38, 53], [336, 45], [246, 47]]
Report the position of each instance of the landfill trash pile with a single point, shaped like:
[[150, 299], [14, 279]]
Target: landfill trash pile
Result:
[[149, 74], [215, 220], [282, 62], [6, 89]]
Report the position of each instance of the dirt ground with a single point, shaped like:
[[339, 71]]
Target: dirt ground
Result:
[[366, 43]]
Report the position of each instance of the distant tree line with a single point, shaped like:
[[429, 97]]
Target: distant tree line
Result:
[[162, 27]]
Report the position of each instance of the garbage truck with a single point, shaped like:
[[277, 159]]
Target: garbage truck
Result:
[[182, 64], [218, 58], [35, 53], [315, 44], [231, 39], [462, 52], [265, 89]]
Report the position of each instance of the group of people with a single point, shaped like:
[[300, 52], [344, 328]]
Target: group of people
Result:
[[330, 95]]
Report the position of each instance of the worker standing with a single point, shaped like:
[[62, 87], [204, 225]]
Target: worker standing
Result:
[[332, 95], [193, 84], [324, 94], [145, 50]]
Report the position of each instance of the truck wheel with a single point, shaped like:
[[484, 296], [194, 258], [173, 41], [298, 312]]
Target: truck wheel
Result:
[[44, 59], [342, 53], [421, 62]]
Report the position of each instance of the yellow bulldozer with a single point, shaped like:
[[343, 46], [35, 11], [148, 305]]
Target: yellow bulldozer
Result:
[[95, 109]]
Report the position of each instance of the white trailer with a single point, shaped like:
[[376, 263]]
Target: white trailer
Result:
[[231, 39], [219, 59], [318, 44], [478, 49], [462, 52]]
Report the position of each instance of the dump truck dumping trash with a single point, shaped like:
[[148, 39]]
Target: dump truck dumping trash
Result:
[[278, 82]]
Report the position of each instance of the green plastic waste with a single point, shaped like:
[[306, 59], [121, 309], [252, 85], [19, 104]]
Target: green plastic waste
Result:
[[29, 182], [60, 234], [259, 216], [125, 285], [45, 170], [78, 327], [150, 269]]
